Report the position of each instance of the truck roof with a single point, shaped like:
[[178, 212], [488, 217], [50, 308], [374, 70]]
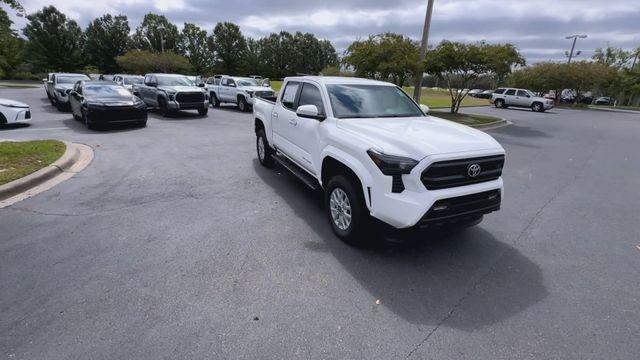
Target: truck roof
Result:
[[340, 80]]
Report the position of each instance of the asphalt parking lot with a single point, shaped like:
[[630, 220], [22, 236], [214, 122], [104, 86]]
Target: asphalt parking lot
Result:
[[176, 243]]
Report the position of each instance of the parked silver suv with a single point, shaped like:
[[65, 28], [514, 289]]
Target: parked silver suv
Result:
[[505, 97]]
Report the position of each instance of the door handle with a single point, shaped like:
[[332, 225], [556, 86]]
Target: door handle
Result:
[[293, 121], [274, 115]]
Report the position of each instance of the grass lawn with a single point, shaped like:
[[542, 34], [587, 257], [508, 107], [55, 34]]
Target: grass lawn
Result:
[[18, 159], [465, 119], [18, 86], [429, 97]]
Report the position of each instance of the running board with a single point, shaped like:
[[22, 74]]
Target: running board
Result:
[[304, 176]]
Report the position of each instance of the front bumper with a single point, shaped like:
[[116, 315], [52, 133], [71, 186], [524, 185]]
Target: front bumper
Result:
[[174, 105], [415, 205], [111, 115]]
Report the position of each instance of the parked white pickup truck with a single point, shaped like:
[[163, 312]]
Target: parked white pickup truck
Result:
[[236, 90], [377, 154]]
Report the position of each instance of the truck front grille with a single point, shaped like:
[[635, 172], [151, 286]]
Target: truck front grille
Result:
[[190, 97], [264, 94], [452, 173]]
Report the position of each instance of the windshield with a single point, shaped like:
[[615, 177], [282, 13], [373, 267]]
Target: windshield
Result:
[[174, 81], [247, 82], [71, 79], [371, 101], [105, 91], [133, 80]]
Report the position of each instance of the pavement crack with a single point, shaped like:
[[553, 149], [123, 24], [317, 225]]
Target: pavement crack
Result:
[[522, 235]]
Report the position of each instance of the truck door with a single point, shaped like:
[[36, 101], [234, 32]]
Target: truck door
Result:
[[303, 132], [522, 98], [283, 116], [509, 97]]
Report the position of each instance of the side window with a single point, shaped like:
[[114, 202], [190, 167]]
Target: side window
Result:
[[210, 81], [231, 82], [53, 78], [510, 92], [147, 79], [79, 88], [499, 91], [310, 95], [522, 93], [289, 96], [225, 82]]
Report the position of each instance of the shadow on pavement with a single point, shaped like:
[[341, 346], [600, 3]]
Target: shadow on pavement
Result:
[[521, 131], [79, 127], [13, 126], [423, 279]]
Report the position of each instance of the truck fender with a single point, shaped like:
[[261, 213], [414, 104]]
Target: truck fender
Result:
[[352, 163], [260, 119]]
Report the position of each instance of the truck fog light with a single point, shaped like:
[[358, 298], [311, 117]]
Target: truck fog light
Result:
[[440, 207]]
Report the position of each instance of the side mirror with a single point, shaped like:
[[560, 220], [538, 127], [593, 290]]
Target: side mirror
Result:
[[45, 80], [424, 108], [70, 92], [232, 85], [309, 111], [201, 84], [50, 82]]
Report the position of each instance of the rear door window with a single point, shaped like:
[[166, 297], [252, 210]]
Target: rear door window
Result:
[[289, 96], [510, 92]]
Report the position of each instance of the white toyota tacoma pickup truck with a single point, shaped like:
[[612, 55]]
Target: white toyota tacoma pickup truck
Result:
[[378, 155]]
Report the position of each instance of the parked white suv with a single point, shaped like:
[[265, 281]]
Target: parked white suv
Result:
[[377, 154], [505, 97], [236, 90]]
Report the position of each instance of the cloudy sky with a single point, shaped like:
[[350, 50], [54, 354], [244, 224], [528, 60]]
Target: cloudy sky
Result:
[[536, 27]]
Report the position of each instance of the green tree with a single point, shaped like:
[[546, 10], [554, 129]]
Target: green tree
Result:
[[229, 47], [54, 42], [156, 33], [143, 61], [11, 47], [384, 56], [460, 65], [193, 45], [106, 38], [614, 57]]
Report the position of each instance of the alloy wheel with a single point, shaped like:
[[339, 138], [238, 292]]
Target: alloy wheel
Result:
[[340, 209]]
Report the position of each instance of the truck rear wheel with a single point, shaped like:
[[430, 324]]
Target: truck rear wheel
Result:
[[264, 150], [499, 103], [346, 211]]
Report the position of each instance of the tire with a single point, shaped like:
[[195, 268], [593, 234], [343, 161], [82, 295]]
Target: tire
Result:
[[342, 197], [85, 121], [50, 99], [537, 107], [213, 99], [60, 107], [143, 124], [243, 105], [499, 103], [162, 105], [203, 111], [264, 150]]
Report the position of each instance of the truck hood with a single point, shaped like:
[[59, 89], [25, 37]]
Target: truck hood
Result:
[[13, 103], [64, 86], [418, 137], [181, 88], [255, 88]]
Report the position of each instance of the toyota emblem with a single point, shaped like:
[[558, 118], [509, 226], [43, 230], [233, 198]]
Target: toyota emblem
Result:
[[474, 170]]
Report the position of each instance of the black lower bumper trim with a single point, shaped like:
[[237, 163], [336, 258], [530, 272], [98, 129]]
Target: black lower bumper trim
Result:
[[461, 209]]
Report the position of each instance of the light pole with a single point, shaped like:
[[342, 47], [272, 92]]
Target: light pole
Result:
[[573, 46], [417, 89]]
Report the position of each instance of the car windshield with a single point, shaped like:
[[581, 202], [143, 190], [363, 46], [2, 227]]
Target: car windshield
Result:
[[247, 82], [174, 81], [71, 79], [371, 101], [530, 93], [105, 91], [133, 80]]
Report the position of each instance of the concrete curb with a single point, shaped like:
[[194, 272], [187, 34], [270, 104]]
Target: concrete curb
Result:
[[75, 158], [493, 125], [615, 110]]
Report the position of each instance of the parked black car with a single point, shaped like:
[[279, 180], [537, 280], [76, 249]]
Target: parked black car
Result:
[[604, 100], [98, 103]]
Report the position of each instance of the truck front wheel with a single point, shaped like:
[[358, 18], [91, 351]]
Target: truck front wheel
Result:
[[243, 105], [346, 211], [214, 100]]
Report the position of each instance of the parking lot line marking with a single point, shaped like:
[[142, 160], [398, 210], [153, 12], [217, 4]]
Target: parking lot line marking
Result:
[[40, 129]]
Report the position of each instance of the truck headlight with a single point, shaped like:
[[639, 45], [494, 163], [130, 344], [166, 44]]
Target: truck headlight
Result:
[[391, 164], [250, 93]]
